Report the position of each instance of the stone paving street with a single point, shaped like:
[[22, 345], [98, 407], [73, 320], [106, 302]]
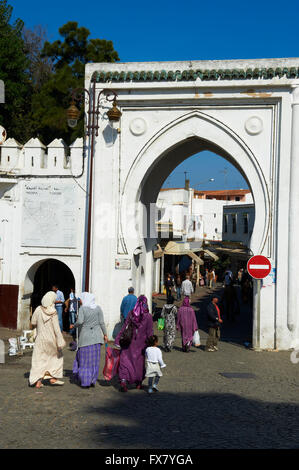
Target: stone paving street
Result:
[[196, 407]]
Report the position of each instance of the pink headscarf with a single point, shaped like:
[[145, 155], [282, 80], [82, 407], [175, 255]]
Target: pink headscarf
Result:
[[140, 308], [186, 302]]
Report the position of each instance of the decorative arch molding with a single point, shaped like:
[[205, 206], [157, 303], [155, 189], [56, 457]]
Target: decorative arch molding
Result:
[[193, 132]]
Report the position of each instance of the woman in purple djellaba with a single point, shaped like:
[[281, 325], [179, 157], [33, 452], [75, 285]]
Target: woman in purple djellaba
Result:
[[186, 323], [132, 358]]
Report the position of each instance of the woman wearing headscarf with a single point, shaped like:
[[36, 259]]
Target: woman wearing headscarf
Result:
[[169, 313], [187, 324], [47, 360], [92, 334], [132, 358]]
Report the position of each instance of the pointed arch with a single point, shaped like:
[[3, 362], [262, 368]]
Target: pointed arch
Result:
[[179, 139]]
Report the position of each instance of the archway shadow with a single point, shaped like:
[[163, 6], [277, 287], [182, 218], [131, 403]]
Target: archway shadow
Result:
[[237, 332], [202, 420]]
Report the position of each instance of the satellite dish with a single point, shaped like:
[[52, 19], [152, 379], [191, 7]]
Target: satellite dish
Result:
[[3, 135]]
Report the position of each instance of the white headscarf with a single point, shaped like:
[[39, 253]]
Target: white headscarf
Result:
[[48, 305], [88, 300]]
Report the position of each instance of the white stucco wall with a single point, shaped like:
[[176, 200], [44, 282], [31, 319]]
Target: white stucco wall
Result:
[[174, 207]]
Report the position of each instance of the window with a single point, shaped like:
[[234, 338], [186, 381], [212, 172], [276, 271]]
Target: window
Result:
[[225, 223], [32, 161], [194, 225], [237, 198], [214, 216], [234, 223], [245, 223]]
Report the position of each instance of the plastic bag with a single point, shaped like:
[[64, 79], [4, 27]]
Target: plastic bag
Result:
[[161, 324], [196, 338], [13, 347], [111, 363]]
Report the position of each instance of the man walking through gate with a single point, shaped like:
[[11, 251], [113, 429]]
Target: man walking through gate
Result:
[[178, 285], [187, 288], [59, 304], [128, 303], [214, 322]]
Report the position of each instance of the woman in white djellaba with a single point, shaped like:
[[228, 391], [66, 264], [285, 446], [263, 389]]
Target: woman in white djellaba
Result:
[[47, 359]]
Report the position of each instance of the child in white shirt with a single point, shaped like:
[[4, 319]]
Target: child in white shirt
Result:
[[154, 363]]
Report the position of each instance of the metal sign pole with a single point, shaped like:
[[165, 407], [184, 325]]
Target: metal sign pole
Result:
[[258, 313]]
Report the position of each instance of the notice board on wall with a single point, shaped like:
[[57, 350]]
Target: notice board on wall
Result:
[[49, 215]]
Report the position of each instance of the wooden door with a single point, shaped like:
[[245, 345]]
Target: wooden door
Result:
[[9, 306]]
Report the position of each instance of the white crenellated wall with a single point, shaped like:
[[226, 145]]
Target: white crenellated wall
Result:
[[11, 157], [34, 158], [57, 155]]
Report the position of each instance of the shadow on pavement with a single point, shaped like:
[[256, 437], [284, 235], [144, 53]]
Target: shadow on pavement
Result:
[[237, 332], [194, 420]]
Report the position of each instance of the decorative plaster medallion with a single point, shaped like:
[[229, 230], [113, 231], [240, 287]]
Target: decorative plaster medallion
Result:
[[254, 125], [3, 135], [138, 126]]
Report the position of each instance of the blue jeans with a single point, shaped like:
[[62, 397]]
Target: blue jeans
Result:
[[72, 320], [178, 293], [59, 308]]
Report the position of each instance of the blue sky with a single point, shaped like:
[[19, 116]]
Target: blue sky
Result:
[[179, 30]]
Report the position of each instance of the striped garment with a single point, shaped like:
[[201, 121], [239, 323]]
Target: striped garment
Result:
[[87, 365]]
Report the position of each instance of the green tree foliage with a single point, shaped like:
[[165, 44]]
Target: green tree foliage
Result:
[[68, 57], [15, 113], [39, 76]]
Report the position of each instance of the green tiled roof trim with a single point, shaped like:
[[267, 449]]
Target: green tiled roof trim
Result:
[[191, 75]]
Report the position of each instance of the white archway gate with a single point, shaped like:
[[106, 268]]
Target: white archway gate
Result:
[[247, 112]]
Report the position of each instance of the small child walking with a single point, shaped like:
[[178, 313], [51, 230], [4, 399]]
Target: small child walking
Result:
[[154, 363]]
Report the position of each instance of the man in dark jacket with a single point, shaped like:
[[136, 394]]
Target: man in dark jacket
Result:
[[214, 322]]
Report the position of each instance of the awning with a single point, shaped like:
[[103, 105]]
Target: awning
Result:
[[174, 248], [196, 258], [211, 254], [177, 249]]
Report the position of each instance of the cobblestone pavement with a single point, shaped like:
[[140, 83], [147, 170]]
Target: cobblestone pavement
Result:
[[196, 407]]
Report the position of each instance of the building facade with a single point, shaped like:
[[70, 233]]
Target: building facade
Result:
[[199, 215], [238, 223]]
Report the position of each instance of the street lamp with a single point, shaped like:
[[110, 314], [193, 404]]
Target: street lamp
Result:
[[73, 113], [91, 130], [205, 181]]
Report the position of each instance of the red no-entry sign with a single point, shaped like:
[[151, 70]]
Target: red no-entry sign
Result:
[[259, 267]]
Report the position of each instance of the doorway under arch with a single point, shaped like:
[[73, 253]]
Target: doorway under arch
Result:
[[51, 272], [238, 314]]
